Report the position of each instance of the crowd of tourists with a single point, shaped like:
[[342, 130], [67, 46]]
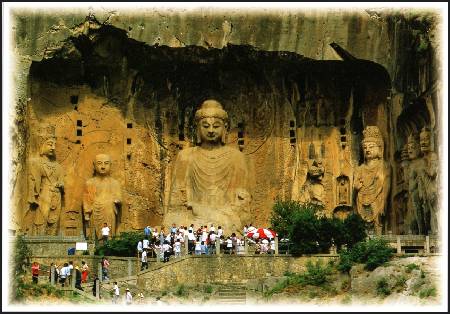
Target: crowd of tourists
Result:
[[163, 243]]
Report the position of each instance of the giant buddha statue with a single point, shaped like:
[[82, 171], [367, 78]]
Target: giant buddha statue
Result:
[[210, 181], [372, 180]]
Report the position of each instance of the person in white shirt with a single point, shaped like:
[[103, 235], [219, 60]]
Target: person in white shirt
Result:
[[204, 236], [105, 232], [69, 273], [166, 250], [191, 241], [229, 245], [219, 231], [272, 247], [145, 243], [144, 260], [116, 293], [212, 228], [128, 297], [177, 248], [245, 230], [139, 248], [251, 228]]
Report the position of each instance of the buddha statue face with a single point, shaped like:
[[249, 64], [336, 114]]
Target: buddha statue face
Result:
[[211, 130], [371, 150], [102, 164], [425, 142], [48, 147]]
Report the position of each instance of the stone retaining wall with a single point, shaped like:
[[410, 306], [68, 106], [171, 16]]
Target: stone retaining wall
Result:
[[223, 269]]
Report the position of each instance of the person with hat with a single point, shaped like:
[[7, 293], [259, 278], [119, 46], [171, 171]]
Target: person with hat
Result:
[[128, 297]]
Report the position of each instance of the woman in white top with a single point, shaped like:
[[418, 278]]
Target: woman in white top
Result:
[[229, 245], [177, 248], [128, 296]]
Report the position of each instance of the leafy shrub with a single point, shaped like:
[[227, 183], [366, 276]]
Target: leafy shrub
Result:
[[400, 283], [315, 275], [308, 233], [373, 253], [181, 291], [279, 286], [427, 292], [124, 245], [383, 287], [208, 289], [411, 267]]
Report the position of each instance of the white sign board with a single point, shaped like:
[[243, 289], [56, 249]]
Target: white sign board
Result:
[[81, 246]]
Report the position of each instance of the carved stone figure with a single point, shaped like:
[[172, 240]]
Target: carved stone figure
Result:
[[210, 182], [372, 179], [427, 183], [45, 186], [102, 199], [343, 187], [415, 214], [313, 190]]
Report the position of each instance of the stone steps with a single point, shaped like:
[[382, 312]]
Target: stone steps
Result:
[[231, 293]]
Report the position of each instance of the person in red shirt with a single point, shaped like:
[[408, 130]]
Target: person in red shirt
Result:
[[35, 272]]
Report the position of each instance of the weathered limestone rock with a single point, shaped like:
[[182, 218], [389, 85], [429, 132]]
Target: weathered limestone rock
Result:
[[372, 179], [210, 181], [45, 186], [102, 199]]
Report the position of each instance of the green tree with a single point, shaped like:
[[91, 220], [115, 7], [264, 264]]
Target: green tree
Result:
[[125, 245], [22, 255], [309, 234]]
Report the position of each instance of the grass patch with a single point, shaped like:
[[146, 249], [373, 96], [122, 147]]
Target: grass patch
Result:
[[383, 287], [280, 286], [400, 283], [427, 292], [411, 267], [208, 289], [181, 291]]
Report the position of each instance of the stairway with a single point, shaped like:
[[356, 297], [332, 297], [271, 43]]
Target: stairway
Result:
[[231, 293]]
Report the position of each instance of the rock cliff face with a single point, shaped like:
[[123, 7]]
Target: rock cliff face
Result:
[[128, 84]]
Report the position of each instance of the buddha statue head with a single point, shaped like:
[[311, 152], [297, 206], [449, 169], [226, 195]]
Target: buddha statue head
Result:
[[212, 123], [425, 140], [102, 165], [47, 140], [413, 146], [372, 143]]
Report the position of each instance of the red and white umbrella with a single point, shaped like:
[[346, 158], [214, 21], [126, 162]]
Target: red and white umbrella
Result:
[[261, 233]]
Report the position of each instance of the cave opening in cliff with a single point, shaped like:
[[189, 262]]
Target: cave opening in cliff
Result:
[[105, 91]]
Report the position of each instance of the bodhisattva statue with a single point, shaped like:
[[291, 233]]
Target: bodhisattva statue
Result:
[[372, 180], [313, 191], [415, 214], [427, 183], [46, 187], [102, 199], [210, 182]]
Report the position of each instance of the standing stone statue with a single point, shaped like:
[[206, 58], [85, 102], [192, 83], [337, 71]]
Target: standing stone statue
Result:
[[415, 214], [372, 179], [45, 187], [210, 182], [427, 182], [102, 199], [313, 191]]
